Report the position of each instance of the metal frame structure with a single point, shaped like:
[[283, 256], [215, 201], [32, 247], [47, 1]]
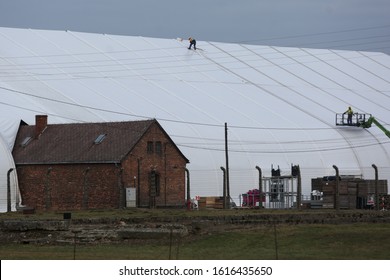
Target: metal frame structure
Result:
[[280, 192]]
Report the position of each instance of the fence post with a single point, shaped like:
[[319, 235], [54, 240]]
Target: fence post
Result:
[[299, 188], [188, 189], [260, 187], [9, 190], [337, 191], [376, 187]]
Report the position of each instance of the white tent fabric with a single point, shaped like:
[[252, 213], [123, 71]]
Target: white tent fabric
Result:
[[279, 103], [8, 177]]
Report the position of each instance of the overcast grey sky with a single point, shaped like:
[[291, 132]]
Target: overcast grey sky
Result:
[[338, 24]]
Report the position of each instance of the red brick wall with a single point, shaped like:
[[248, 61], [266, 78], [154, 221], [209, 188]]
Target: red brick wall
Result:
[[69, 187], [169, 165]]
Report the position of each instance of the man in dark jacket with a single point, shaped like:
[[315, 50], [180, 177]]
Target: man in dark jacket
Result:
[[192, 43]]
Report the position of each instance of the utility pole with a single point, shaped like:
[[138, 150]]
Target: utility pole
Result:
[[227, 165], [224, 187]]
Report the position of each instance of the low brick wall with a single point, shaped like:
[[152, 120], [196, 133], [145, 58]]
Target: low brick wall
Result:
[[106, 230]]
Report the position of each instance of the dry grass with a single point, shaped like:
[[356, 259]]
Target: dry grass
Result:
[[293, 242]]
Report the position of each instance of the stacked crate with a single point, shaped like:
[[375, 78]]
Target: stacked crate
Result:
[[351, 191], [367, 187], [352, 194], [210, 202]]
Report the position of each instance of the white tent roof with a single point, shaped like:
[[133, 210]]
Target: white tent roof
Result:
[[279, 103]]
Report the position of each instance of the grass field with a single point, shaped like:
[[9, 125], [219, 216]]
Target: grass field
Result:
[[358, 241]]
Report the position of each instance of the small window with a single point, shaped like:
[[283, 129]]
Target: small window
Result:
[[149, 147], [158, 148], [100, 138], [26, 141]]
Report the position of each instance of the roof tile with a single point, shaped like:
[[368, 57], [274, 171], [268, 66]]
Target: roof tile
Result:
[[75, 143]]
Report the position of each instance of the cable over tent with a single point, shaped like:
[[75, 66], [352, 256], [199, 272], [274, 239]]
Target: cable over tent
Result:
[[279, 103]]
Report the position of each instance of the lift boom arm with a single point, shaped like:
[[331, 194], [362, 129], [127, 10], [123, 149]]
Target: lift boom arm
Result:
[[371, 121]]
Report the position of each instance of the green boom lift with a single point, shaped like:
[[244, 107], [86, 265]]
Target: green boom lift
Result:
[[371, 120]]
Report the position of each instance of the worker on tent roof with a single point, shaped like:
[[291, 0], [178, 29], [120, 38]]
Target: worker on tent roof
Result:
[[192, 43]]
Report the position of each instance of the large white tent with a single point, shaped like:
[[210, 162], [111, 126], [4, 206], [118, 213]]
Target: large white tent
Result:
[[279, 103]]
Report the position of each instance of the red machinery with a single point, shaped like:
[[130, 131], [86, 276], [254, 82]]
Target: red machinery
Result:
[[252, 198]]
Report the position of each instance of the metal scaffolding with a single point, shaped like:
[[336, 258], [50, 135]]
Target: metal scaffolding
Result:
[[280, 192]]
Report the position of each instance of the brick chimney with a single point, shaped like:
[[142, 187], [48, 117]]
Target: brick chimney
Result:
[[40, 125]]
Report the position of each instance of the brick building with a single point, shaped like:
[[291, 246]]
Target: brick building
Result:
[[90, 165]]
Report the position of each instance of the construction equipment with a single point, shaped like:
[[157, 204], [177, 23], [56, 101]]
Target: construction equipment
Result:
[[371, 120], [252, 198], [360, 120]]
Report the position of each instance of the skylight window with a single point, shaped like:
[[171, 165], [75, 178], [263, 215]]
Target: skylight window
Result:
[[100, 138], [26, 141]]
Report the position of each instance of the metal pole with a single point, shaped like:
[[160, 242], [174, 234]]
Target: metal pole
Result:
[[170, 242], [188, 189], [337, 191], [260, 187], [299, 190], [74, 245], [9, 190], [227, 163], [376, 187], [75, 231], [224, 187]]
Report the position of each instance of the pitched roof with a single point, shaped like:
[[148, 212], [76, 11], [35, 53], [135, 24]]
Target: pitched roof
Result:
[[79, 142]]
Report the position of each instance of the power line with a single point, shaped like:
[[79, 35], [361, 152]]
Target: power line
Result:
[[136, 51], [142, 66], [216, 125], [113, 62], [162, 119], [351, 39], [234, 142], [241, 127], [285, 151], [316, 34], [89, 53], [106, 110]]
